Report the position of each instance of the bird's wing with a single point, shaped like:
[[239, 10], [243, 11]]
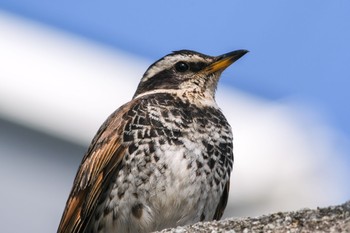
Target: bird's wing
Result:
[[223, 202], [103, 157]]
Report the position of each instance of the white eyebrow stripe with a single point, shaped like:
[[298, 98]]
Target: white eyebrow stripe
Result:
[[169, 61]]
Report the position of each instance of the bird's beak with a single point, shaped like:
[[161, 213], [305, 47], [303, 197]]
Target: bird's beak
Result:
[[223, 61]]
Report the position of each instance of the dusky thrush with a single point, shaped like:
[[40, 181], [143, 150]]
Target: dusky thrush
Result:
[[161, 160]]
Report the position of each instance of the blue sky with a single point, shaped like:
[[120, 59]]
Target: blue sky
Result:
[[299, 49]]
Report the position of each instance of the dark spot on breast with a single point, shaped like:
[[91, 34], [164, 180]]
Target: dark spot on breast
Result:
[[133, 111], [175, 112], [136, 120], [136, 210], [144, 178], [176, 133], [161, 141], [223, 146], [211, 163], [120, 194], [132, 148], [128, 137], [156, 123], [165, 114], [222, 160], [209, 147], [160, 132], [152, 149], [202, 217], [142, 121], [153, 133], [156, 158], [199, 164], [149, 172], [189, 165], [217, 181], [177, 142], [127, 127], [170, 141]]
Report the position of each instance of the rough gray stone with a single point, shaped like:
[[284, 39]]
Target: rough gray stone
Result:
[[330, 219]]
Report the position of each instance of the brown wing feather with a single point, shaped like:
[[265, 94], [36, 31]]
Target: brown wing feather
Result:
[[103, 156], [223, 202]]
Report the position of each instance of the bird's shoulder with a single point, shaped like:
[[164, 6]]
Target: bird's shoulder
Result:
[[105, 154], [102, 157]]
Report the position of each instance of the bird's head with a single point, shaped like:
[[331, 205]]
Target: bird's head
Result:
[[186, 71]]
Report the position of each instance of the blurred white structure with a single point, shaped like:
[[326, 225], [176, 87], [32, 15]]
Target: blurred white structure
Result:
[[285, 158]]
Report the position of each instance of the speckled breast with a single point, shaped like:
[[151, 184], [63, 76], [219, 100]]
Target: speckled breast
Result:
[[178, 161]]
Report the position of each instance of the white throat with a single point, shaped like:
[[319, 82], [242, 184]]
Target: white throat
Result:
[[200, 99]]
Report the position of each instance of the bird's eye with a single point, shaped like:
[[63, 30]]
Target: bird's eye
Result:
[[181, 66]]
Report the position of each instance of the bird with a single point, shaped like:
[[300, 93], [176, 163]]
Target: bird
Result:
[[161, 160]]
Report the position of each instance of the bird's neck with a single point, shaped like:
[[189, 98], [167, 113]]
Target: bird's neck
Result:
[[197, 97]]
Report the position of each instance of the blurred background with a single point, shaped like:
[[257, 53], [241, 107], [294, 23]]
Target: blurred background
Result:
[[66, 65]]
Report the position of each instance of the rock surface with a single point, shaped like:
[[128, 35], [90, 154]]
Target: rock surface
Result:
[[329, 219]]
